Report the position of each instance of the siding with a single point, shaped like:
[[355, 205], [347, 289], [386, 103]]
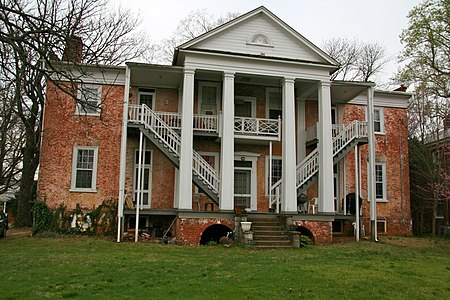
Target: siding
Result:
[[235, 39]]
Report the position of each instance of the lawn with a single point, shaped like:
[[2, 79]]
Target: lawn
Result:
[[395, 268]]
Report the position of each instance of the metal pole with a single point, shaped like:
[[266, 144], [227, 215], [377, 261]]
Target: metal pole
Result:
[[270, 172], [371, 167], [357, 192], [123, 155], [138, 200]]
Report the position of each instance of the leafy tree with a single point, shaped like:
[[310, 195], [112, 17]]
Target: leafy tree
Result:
[[35, 33], [427, 46]]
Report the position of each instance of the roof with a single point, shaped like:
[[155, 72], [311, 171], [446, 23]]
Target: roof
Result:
[[260, 10]]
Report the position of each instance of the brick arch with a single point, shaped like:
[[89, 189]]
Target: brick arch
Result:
[[190, 230], [321, 230]]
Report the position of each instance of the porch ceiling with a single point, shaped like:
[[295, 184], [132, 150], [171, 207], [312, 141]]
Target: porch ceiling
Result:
[[148, 75]]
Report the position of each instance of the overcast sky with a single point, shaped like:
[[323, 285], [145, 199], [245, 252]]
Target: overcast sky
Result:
[[367, 20]]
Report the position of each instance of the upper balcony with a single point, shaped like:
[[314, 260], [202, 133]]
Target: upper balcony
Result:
[[244, 127]]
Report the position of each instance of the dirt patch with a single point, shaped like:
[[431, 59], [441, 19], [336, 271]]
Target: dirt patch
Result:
[[422, 242], [18, 232]]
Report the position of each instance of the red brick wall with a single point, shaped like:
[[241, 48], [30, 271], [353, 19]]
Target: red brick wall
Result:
[[321, 230], [63, 130], [188, 231], [388, 151]]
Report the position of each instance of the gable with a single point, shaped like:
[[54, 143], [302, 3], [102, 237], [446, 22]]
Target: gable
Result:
[[259, 33]]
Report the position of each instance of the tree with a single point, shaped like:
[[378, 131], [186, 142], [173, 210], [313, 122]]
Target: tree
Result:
[[196, 23], [358, 60], [427, 46], [36, 33]]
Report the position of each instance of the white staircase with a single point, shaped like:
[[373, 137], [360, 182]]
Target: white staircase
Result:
[[169, 142], [307, 169]]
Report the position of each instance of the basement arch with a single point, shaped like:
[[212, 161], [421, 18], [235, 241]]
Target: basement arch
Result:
[[213, 233], [305, 231]]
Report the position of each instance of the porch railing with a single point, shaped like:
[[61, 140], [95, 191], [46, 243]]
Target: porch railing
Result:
[[142, 114], [311, 132], [309, 166], [257, 127]]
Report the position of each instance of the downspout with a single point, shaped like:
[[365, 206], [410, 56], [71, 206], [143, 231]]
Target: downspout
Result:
[[400, 121], [357, 193], [371, 169], [123, 155]]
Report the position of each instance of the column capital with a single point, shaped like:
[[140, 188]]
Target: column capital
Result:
[[288, 80], [189, 70], [325, 83], [228, 74]]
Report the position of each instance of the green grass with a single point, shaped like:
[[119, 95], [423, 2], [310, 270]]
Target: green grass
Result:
[[397, 268]]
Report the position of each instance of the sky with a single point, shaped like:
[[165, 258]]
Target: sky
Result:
[[379, 21]]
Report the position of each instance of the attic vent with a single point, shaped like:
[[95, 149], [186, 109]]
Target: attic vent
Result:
[[260, 39]]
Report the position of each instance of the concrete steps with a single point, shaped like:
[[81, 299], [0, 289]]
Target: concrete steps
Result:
[[269, 233]]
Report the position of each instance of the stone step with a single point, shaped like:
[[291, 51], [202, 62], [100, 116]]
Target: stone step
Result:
[[272, 243], [269, 237], [265, 228], [269, 233]]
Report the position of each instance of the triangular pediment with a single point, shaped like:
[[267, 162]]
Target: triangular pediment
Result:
[[259, 33]]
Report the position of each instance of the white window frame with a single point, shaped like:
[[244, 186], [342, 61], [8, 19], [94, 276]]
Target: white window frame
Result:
[[252, 100], [218, 87], [436, 215], [140, 92], [239, 157], [216, 165], [381, 114], [73, 188], [150, 181], [267, 170], [384, 222], [271, 90], [383, 165], [79, 110]]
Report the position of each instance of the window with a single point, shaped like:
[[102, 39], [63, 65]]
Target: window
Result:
[[84, 169], [380, 181], [146, 96], [273, 100], [209, 98], [277, 163], [89, 96], [212, 158], [378, 119], [260, 39], [439, 209], [146, 178], [381, 226]]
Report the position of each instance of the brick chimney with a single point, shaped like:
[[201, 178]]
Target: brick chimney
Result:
[[402, 88], [74, 49]]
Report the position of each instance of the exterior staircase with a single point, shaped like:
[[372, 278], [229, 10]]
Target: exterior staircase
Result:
[[269, 232], [308, 169], [168, 141]]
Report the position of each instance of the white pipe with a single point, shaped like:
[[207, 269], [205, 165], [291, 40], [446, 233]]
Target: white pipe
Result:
[[270, 173], [142, 170], [138, 200], [371, 168], [357, 192], [123, 154]]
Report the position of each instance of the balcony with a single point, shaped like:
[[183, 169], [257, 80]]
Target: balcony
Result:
[[244, 128]]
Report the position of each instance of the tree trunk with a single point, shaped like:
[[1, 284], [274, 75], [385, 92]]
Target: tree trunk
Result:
[[26, 192]]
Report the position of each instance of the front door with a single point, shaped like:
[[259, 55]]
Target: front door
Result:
[[146, 179], [242, 186]]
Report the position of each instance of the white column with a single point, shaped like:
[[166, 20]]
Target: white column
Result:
[[289, 192], [326, 197], [123, 154], [227, 144], [371, 167], [187, 113], [301, 130]]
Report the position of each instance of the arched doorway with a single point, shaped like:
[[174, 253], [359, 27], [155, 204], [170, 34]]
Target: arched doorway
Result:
[[213, 233]]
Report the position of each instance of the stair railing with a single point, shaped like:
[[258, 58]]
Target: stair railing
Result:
[[142, 114], [309, 166]]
